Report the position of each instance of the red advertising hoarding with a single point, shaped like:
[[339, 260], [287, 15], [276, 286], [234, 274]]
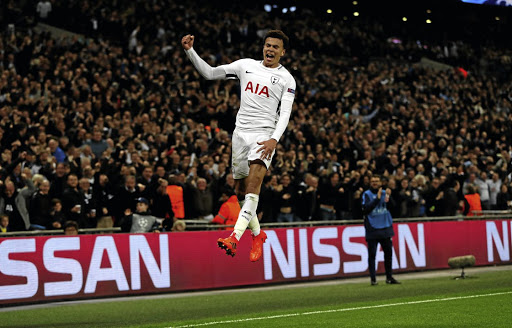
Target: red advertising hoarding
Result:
[[39, 269]]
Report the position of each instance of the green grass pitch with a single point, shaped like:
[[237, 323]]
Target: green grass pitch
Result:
[[484, 300]]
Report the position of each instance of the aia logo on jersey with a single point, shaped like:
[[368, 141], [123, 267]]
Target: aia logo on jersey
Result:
[[260, 90]]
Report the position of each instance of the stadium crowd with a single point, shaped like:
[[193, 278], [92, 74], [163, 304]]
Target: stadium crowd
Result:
[[92, 123]]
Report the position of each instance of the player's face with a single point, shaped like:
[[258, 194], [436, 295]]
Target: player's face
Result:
[[272, 51]]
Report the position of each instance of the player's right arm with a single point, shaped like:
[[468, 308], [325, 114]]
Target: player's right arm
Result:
[[208, 72]]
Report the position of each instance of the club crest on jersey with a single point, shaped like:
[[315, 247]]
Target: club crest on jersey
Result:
[[274, 79], [260, 90]]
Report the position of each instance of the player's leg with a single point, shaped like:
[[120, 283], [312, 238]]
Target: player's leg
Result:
[[248, 211], [240, 170], [253, 182]]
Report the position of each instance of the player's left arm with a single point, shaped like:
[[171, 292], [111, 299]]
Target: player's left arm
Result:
[[287, 98]]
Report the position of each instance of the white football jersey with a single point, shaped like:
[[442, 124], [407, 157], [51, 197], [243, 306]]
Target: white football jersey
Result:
[[262, 90]]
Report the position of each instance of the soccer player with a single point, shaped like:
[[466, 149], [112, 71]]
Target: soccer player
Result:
[[267, 94]]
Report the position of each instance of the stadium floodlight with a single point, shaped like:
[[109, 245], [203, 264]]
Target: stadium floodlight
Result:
[[285, 10], [268, 8], [356, 13], [404, 19], [274, 6], [354, 3], [329, 11], [497, 18], [429, 11], [293, 8], [429, 21]]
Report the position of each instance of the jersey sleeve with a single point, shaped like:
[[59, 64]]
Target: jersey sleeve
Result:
[[222, 72], [286, 109]]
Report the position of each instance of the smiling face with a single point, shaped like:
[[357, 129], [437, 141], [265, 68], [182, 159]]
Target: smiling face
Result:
[[273, 50]]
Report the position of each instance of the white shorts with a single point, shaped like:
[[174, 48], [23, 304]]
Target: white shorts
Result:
[[244, 147]]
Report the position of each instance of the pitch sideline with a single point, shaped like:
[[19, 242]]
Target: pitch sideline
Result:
[[343, 310]]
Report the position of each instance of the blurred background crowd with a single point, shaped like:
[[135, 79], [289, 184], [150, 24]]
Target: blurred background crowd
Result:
[[95, 121]]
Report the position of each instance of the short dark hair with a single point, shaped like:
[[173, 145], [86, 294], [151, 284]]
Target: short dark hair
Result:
[[71, 224], [278, 34]]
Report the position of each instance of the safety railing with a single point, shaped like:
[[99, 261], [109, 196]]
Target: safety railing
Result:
[[195, 225]]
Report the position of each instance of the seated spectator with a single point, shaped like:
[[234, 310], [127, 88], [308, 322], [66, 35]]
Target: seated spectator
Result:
[[229, 210], [70, 228], [141, 220], [4, 223]]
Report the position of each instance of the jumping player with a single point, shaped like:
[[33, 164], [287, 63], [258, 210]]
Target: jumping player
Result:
[[267, 94]]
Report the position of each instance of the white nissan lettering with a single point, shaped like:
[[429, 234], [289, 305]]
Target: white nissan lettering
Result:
[[323, 250], [18, 268], [287, 266], [356, 249], [139, 248], [97, 273], [500, 242], [62, 265]]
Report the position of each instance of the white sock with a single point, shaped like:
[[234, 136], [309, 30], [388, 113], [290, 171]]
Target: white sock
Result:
[[241, 203], [247, 213], [254, 225]]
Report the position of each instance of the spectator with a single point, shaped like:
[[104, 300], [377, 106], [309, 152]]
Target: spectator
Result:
[[141, 220], [161, 206], [58, 180], [307, 198], [329, 192], [97, 143], [40, 208], [4, 223], [432, 197], [286, 200], [56, 151], [89, 206], [103, 195], [125, 198], [70, 228], [450, 203], [267, 209], [13, 203], [179, 226], [494, 186], [504, 199], [57, 215], [73, 202], [203, 200]]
